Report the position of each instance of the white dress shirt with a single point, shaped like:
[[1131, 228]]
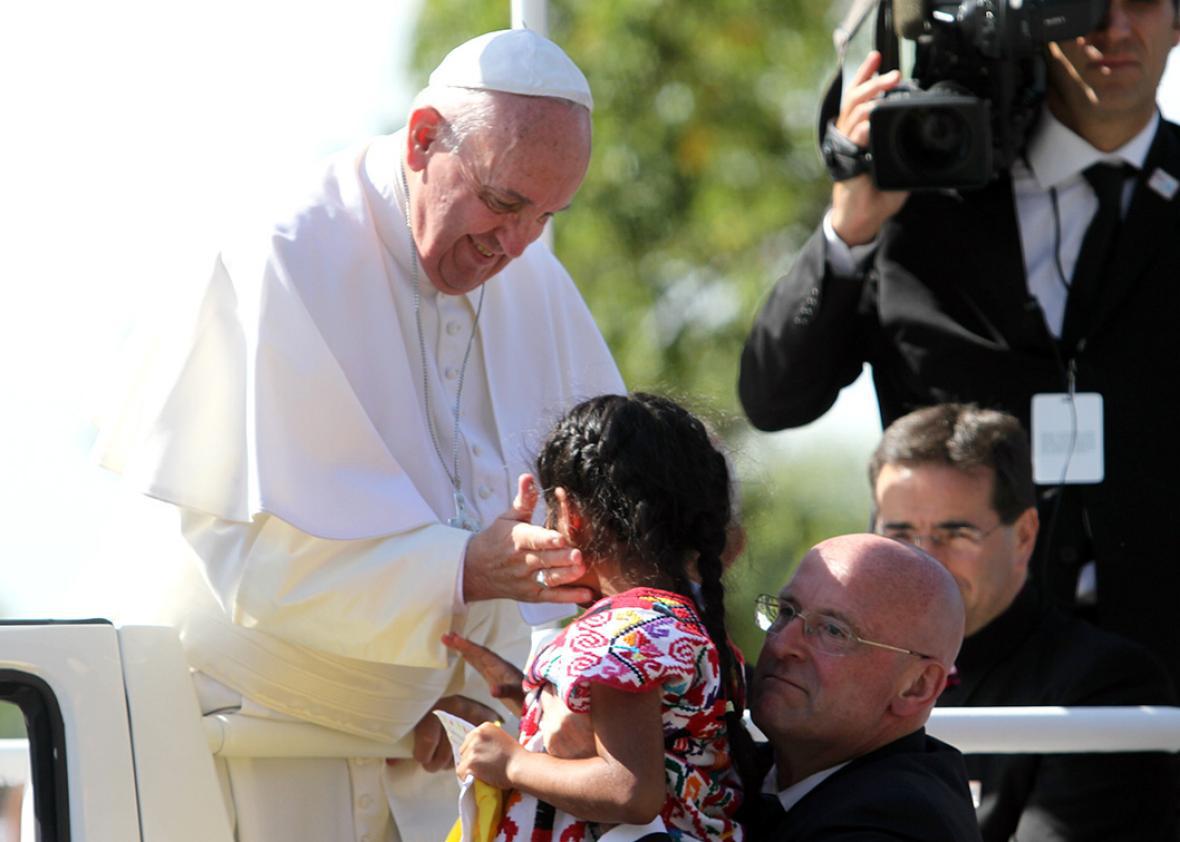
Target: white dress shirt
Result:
[[1054, 163], [793, 794]]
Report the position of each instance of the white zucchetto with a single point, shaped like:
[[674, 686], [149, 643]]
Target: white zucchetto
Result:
[[515, 61]]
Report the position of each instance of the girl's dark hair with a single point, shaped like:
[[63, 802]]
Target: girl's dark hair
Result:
[[654, 492]]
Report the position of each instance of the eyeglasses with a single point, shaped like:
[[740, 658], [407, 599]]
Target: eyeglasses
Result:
[[827, 633], [956, 538]]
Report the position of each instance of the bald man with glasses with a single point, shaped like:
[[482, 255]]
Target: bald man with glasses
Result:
[[956, 481], [859, 644]]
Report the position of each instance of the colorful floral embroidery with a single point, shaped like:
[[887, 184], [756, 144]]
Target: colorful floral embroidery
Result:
[[635, 641]]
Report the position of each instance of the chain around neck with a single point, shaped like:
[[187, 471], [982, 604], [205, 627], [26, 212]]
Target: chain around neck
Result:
[[451, 471]]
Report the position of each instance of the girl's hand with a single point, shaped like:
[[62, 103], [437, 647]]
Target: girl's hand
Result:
[[486, 754]]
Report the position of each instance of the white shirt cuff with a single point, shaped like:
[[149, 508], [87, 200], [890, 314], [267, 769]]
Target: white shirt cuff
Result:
[[844, 260]]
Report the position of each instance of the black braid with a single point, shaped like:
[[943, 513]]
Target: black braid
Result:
[[741, 744], [655, 492], [710, 569]]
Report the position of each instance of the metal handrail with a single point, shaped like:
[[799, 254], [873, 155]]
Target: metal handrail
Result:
[[1055, 730], [1006, 730]]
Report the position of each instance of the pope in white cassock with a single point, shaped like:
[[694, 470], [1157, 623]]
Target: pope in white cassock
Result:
[[345, 430]]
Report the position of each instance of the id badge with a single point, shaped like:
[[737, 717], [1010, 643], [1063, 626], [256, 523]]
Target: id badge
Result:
[[1067, 438]]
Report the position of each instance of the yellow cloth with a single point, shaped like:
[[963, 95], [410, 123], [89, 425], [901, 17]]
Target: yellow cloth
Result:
[[489, 809]]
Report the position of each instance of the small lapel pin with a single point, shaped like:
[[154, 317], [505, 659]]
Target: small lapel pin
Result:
[[1163, 183]]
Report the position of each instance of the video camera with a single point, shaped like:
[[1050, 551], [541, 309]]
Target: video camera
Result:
[[977, 83]]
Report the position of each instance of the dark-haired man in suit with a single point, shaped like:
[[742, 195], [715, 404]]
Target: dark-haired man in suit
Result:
[[956, 480], [858, 647]]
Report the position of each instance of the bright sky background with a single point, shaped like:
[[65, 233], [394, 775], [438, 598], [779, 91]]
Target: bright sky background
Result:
[[131, 130]]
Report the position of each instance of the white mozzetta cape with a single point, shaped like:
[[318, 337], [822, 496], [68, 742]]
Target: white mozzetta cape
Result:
[[298, 393]]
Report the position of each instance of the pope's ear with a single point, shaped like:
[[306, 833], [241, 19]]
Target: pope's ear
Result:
[[421, 135], [924, 686]]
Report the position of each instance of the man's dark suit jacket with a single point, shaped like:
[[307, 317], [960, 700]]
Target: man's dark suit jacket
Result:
[[914, 788], [1033, 654], [943, 313]]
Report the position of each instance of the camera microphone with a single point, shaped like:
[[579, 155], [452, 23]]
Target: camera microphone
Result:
[[909, 18]]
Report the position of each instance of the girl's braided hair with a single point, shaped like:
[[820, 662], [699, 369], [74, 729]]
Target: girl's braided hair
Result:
[[655, 493]]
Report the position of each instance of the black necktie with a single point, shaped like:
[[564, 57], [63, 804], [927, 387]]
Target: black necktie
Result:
[[1097, 248]]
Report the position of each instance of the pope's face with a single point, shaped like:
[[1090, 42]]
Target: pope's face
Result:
[[1114, 71], [477, 208]]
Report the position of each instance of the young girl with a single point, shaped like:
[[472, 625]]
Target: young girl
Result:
[[636, 483]]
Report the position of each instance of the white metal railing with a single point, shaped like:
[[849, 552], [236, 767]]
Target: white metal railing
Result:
[[1009, 730], [1045, 730], [531, 13]]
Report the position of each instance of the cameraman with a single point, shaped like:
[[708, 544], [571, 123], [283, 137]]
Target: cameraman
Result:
[[971, 297]]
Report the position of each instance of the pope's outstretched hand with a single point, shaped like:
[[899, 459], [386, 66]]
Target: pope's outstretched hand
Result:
[[514, 559]]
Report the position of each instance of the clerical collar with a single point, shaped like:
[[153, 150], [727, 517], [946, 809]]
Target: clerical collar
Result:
[[793, 794], [999, 638], [1056, 154]]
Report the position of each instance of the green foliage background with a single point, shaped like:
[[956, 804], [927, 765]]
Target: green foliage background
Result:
[[703, 184], [12, 721]]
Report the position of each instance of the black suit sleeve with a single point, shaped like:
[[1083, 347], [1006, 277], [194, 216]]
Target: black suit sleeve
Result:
[[808, 341]]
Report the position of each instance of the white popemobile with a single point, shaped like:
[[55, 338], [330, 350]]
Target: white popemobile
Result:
[[118, 751]]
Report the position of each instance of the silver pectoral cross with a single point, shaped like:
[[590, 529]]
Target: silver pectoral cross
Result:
[[464, 518]]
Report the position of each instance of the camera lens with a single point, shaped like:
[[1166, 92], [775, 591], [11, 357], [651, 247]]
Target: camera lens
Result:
[[933, 140]]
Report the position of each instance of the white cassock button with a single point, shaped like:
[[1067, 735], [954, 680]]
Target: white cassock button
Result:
[[450, 372], [365, 801], [484, 492], [453, 327], [476, 450]]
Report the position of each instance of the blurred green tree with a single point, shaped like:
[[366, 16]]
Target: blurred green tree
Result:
[[704, 183], [12, 721]]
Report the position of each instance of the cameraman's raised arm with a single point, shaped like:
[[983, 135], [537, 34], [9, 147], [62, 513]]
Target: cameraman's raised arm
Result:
[[859, 209], [808, 340]]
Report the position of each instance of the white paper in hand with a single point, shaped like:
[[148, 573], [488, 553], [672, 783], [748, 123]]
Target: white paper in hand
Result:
[[457, 729]]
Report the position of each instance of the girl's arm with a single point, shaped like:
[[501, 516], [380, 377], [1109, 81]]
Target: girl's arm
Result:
[[623, 783]]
